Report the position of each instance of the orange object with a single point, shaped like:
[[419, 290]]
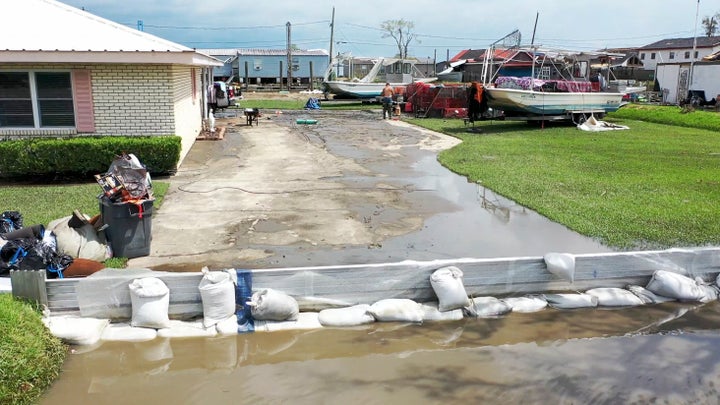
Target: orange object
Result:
[[82, 268]]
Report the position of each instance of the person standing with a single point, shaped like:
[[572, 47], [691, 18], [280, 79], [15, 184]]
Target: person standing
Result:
[[387, 99]]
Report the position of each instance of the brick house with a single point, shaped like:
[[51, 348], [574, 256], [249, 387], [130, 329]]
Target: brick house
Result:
[[77, 74]]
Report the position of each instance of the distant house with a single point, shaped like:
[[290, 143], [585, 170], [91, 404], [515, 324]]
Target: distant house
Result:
[[677, 50], [263, 66], [680, 70], [66, 72]]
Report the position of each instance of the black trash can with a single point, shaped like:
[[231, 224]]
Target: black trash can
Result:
[[129, 226]]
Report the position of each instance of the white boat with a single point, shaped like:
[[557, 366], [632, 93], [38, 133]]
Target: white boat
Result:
[[519, 101], [398, 72]]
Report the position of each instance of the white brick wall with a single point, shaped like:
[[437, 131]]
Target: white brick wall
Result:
[[135, 100]]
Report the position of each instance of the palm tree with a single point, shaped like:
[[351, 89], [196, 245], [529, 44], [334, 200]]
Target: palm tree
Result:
[[710, 24]]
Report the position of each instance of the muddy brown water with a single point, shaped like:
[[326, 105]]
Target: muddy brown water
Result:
[[660, 354]]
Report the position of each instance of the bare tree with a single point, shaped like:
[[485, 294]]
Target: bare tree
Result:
[[710, 24], [402, 32]]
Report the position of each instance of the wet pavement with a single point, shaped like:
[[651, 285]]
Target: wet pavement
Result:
[[351, 189]]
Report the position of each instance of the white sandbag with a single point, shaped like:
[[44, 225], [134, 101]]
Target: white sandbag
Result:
[[487, 307], [75, 330], [431, 313], [217, 292], [614, 297], [561, 265], [350, 316], [150, 299], [571, 301], [84, 242], [185, 329], [448, 286], [680, 287], [305, 320], [397, 310], [228, 326], [123, 332], [647, 296], [273, 305], [527, 304]]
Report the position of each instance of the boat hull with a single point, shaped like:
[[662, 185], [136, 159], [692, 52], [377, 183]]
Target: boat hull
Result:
[[552, 103], [357, 89]]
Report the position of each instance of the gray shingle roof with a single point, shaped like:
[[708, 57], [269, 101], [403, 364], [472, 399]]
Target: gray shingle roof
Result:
[[675, 43]]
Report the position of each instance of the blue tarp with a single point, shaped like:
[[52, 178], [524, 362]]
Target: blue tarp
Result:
[[312, 104], [243, 293]]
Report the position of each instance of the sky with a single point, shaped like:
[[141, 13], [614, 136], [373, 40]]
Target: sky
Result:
[[443, 27]]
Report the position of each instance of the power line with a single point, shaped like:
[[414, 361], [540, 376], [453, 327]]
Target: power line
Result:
[[210, 28]]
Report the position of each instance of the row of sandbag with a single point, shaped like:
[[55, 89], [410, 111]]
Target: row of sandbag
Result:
[[273, 310]]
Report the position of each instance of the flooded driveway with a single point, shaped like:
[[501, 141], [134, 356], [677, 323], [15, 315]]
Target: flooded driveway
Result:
[[351, 189], [664, 354]]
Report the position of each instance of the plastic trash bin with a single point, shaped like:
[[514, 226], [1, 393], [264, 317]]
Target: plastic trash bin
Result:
[[129, 226]]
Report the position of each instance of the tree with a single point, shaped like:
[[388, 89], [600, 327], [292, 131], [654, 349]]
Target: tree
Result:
[[402, 32], [710, 24]]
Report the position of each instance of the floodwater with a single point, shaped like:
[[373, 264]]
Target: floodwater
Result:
[[660, 354], [460, 218]]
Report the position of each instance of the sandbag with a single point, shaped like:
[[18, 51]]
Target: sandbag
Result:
[[487, 307], [150, 299], [680, 287], [83, 242], [305, 320], [123, 332], [561, 265], [448, 286], [228, 326], [526, 304], [614, 297], [184, 329], [431, 312], [397, 310], [647, 296], [217, 292], [350, 316], [273, 305], [76, 330], [571, 301]]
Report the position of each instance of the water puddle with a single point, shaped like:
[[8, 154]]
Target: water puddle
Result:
[[662, 353]]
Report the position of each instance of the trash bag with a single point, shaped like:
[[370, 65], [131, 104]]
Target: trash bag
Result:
[[312, 104], [132, 176], [10, 221], [33, 252]]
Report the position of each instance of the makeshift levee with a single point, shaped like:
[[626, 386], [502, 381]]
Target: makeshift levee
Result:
[[353, 295]]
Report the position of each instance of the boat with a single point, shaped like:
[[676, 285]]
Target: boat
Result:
[[550, 98], [398, 72], [450, 74]]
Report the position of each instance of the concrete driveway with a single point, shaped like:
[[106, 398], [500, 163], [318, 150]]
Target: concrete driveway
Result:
[[351, 189]]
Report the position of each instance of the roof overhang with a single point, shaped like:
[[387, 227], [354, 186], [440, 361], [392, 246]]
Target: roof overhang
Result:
[[130, 57]]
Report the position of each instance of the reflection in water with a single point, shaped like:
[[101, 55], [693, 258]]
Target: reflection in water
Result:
[[661, 353], [498, 205]]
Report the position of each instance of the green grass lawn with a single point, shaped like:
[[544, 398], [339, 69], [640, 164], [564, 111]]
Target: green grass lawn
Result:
[[30, 357], [653, 186]]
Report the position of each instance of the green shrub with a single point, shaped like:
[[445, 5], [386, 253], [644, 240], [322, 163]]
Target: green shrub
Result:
[[83, 156], [30, 357]]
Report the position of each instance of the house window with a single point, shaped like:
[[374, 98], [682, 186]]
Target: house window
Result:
[[36, 100], [642, 56], [696, 55], [672, 55], [544, 73], [652, 55], [687, 54]]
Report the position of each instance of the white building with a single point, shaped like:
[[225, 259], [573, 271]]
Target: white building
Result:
[[66, 72]]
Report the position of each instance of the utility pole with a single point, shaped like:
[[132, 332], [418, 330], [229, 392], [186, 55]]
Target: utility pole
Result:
[[692, 57], [332, 32], [289, 57]]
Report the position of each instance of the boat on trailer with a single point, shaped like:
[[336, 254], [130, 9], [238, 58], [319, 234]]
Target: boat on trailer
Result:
[[398, 72]]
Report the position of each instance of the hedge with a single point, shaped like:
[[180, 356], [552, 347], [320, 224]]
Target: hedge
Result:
[[84, 156]]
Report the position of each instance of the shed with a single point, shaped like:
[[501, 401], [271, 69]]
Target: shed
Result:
[[57, 80]]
